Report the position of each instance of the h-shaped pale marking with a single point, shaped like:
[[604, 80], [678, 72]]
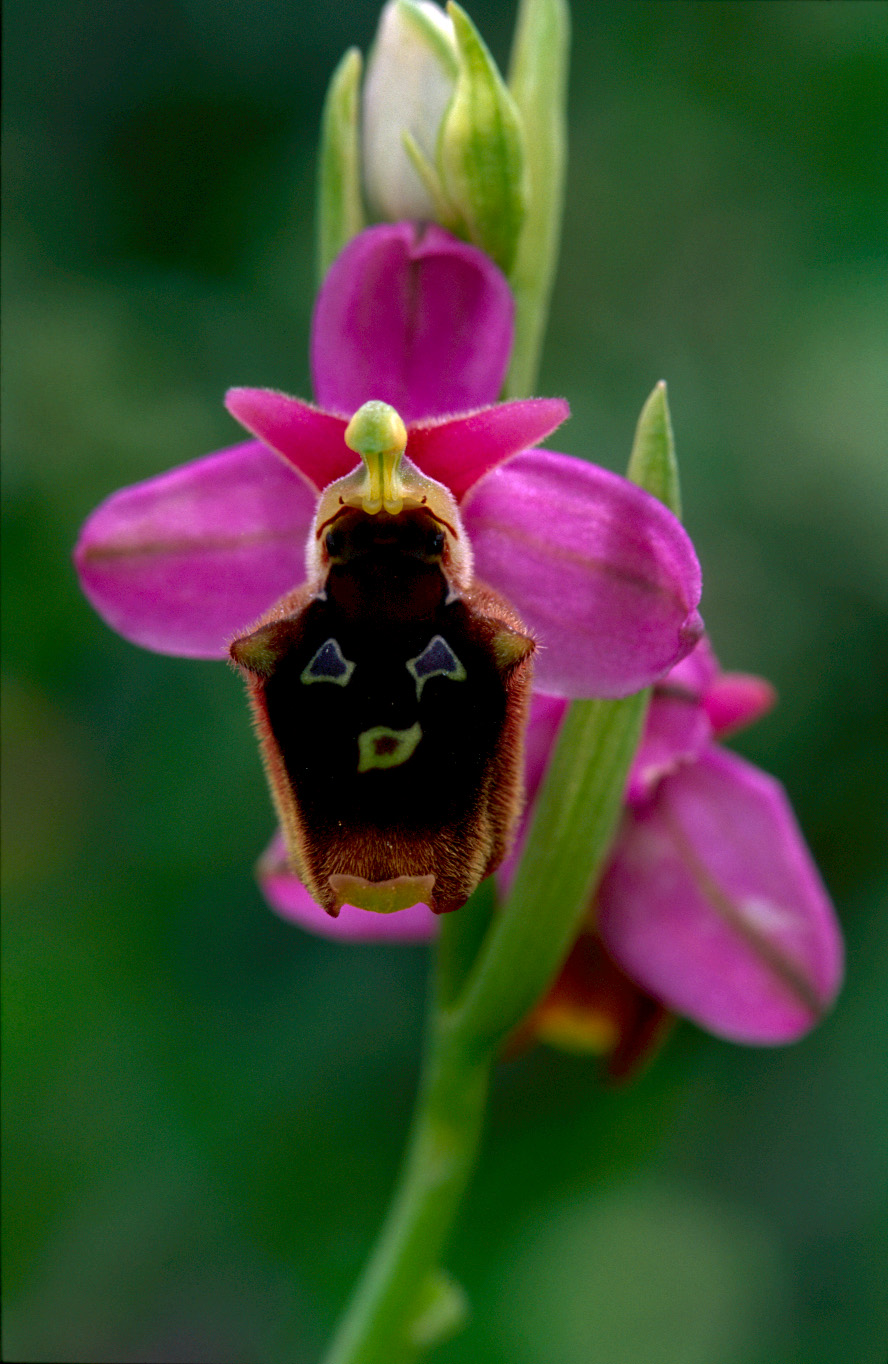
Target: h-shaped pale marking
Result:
[[436, 660], [328, 665]]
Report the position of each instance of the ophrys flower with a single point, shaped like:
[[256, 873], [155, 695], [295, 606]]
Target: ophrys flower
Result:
[[599, 574]]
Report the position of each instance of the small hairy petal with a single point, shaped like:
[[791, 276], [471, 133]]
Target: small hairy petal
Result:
[[182, 562], [737, 699], [313, 442], [713, 905], [287, 895], [602, 572], [459, 450], [415, 318]]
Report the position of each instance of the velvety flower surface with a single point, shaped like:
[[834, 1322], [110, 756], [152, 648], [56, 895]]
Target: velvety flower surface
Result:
[[600, 571]]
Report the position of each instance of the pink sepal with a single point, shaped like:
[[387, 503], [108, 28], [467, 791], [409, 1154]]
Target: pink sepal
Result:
[[602, 572], [712, 904], [411, 316], [182, 562]]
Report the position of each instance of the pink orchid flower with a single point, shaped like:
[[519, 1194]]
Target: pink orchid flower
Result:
[[710, 903], [600, 572]]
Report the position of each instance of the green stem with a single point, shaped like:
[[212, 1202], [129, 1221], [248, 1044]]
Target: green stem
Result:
[[384, 1323], [574, 824]]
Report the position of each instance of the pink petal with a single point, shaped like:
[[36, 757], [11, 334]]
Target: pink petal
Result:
[[182, 562], [737, 699], [311, 440], [460, 450], [695, 673], [287, 895], [675, 733], [599, 569], [713, 905], [731, 700], [546, 715], [544, 722], [411, 316]]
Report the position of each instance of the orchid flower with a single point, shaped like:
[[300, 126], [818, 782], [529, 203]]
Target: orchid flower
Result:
[[710, 903], [601, 575]]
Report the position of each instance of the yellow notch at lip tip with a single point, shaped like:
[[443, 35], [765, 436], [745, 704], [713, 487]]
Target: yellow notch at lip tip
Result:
[[377, 433]]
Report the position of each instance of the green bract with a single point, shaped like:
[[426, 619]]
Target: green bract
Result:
[[481, 160], [340, 202]]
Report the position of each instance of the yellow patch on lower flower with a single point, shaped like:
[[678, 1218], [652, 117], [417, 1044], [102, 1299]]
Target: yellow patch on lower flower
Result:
[[577, 1030], [382, 897]]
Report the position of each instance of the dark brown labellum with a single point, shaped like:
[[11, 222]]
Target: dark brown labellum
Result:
[[391, 714]]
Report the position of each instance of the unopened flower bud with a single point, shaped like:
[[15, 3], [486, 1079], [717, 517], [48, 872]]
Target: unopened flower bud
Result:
[[442, 136], [410, 81]]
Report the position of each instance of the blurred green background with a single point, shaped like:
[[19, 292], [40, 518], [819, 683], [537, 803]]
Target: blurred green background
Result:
[[204, 1106]]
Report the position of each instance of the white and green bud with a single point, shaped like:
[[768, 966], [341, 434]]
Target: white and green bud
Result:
[[441, 136], [411, 77]]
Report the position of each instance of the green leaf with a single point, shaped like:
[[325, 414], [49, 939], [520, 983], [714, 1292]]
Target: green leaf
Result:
[[480, 151], [652, 464], [340, 199], [538, 83]]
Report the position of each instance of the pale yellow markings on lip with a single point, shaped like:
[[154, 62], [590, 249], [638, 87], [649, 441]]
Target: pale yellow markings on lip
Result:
[[450, 664], [382, 747], [330, 657]]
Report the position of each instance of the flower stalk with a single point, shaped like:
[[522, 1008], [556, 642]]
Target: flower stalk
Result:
[[388, 1321]]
